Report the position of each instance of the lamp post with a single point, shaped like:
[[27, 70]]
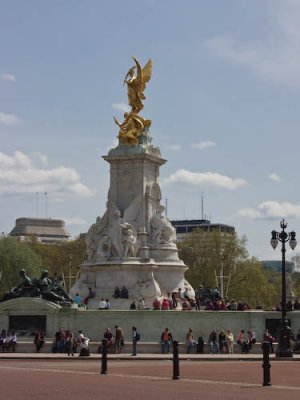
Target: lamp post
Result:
[[284, 345]]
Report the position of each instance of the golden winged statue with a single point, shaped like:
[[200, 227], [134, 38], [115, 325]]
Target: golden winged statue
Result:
[[136, 84], [133, 125]]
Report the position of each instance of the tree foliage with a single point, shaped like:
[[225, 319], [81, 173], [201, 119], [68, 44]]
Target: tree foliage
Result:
[[61, 260], [210, 254], [15, 255]]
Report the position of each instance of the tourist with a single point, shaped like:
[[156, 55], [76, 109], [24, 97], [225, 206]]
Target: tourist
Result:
[[58, 345], [229, 341], [241, 341], [296, 305], [165, 305], [108, 305], [83, 341], [102, 304], [180, 294], [141, 305], [124, 293], [135, 339], [133, 305], [109, 337], [251, 340], [70, 343], [200, 345], [3, 337], [222, 341], [90, 295], [39, 340], [117, 293], [233, 305], [190, 341], [77, 299], [212, 341], [270, 339], [156, 304], [11, 341], [174, 300], [166, 340], [297, 343], [185, 306], [119, 339]]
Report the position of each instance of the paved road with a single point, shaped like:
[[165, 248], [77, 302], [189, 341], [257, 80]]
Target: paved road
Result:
[[135, 379]]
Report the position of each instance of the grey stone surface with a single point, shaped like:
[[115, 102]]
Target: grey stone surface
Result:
[[133, 244]]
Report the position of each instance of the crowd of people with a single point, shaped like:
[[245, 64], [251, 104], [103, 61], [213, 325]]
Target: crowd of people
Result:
[[8, 340], [217, 342]]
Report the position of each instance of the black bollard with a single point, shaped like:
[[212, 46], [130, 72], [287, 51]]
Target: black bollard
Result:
[[266, 363], [175, 360], [104, 356]]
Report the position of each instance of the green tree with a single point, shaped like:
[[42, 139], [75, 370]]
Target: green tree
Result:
[[250, 283], [15, 255], [61, 260], [210, 255]]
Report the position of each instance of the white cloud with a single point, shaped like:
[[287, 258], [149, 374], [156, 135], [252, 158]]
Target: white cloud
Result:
[[276, 57], [205, 178], [270, 210], [7, 78], [121, 107], [203, 145], [9, 119], [173, 147], [19, 174], [40, 157], [275, 177]]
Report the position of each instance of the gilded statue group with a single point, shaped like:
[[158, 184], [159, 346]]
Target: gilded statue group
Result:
[[43, 287], [134, 125]]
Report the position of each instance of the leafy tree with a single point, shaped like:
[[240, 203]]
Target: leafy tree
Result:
[[250, 283], [61, 260], [15, 255], [209, 254]]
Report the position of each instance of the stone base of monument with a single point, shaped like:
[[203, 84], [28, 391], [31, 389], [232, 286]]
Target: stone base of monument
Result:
[[148, 280]]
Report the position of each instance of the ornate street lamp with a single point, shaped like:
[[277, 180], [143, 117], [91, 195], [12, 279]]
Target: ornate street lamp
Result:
[[284, 345]]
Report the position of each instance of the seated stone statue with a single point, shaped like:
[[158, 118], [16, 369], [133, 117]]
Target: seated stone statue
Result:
[[24, 289], [50, 290]]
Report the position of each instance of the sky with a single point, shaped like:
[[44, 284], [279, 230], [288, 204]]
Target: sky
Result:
[[223, 100]]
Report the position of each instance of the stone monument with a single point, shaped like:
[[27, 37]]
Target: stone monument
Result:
[[133, 244]]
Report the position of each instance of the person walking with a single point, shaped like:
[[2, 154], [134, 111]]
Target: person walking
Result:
[[135, 339], [119, 339]]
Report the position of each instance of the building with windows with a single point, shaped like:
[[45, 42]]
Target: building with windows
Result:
[[183, 227], [45, 230], [276, 265]]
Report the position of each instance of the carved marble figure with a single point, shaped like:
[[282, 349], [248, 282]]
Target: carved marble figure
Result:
[[162, 230]]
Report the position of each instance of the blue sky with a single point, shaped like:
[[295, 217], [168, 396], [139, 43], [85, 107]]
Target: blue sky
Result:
[[223, 100]]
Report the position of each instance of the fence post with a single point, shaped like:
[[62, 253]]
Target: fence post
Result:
[[104, 356], [266, 363], [175, 360]]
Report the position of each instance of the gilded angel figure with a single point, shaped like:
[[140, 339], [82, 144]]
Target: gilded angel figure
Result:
[[136, 84]]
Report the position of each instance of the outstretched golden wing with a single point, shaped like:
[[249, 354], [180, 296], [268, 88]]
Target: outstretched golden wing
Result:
[[146, 74]]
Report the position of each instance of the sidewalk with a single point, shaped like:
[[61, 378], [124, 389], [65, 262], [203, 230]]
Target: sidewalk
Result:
[[149, 357]]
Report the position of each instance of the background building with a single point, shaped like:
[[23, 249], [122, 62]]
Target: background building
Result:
[[46, 230], [276, 265], [186, 226]]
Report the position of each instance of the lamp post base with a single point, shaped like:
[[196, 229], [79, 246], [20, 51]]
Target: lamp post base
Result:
[[284, 345]]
